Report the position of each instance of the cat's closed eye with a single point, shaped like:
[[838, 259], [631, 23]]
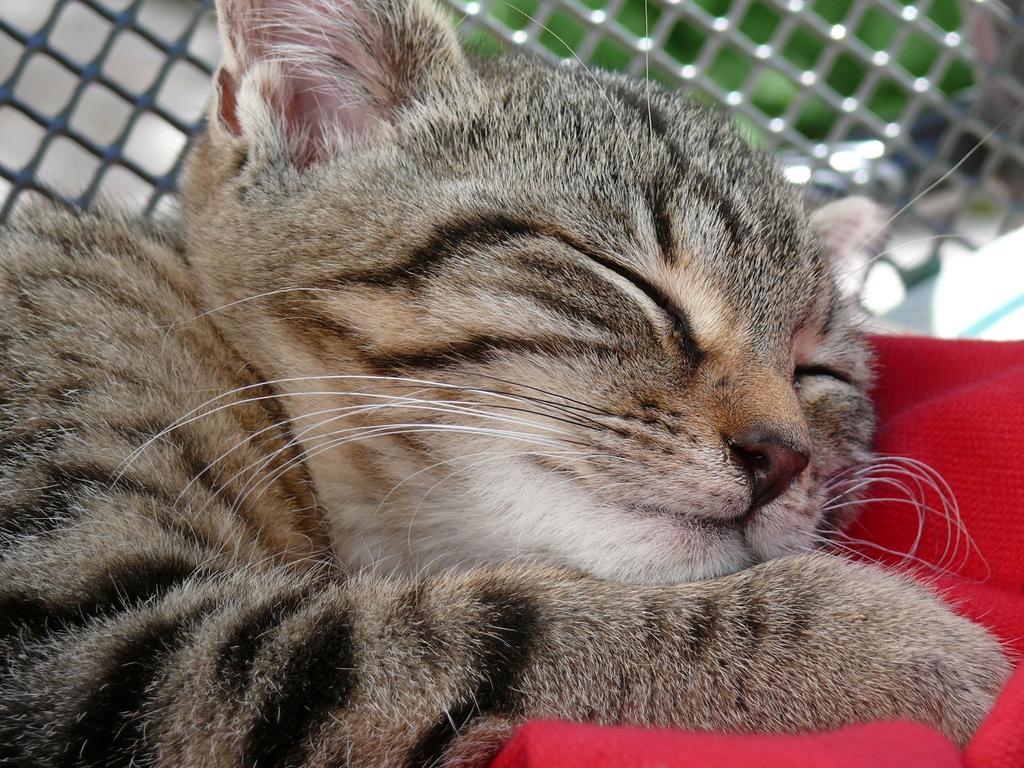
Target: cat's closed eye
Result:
[[681, 328], [821, 371]]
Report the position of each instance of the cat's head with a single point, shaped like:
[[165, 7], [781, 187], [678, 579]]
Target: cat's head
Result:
[[522, 311]]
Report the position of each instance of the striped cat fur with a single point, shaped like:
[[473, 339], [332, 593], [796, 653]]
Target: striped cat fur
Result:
[[448, 402]]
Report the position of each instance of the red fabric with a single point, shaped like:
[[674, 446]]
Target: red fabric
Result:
[[878, 745], [959, 407]]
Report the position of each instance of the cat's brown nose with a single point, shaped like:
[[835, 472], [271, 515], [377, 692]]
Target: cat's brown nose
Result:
[[771, 461]]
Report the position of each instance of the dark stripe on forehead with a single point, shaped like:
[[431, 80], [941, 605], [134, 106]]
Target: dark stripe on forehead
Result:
[[477, 349], [497, 230], [659, 195], [660, 192], [473, 230]]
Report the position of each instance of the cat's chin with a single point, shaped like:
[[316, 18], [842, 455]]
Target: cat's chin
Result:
[[610, 544], [509, 513], [657, 571], [648, 548], [680, 547]]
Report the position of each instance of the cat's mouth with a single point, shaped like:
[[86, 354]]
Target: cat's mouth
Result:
[[786, 525]]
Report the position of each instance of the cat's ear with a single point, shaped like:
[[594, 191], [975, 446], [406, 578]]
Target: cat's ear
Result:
[[319, 73], [848, 229], [849, 225]]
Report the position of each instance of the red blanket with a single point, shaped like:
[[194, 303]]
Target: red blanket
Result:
[[959, 407]]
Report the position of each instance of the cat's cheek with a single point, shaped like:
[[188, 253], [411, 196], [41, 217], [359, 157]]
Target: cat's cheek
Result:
[[841, 425]]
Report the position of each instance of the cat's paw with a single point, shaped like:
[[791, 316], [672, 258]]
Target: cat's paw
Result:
[[855, 643], [901, 652]]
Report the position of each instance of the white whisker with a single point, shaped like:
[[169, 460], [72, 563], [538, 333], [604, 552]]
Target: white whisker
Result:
[[981, 142], [254, 297], [601, 88], [192, 416], [903, 473], [405, 404], [392, 430]]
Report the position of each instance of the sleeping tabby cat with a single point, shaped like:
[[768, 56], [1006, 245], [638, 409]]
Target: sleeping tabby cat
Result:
[[463, 393]]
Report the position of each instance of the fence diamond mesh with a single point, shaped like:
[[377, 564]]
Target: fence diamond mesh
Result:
[[100, 97]]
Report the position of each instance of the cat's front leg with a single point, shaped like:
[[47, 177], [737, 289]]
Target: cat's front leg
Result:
[[799, 644], [249, 667]]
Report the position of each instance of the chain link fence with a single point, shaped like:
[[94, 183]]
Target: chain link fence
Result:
[[100, 97]]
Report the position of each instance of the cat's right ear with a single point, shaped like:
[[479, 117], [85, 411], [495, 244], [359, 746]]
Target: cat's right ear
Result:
[[312, 76], [847, 229], [847, 225]]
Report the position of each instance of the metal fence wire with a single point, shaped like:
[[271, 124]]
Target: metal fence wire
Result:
[[882, 97]]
